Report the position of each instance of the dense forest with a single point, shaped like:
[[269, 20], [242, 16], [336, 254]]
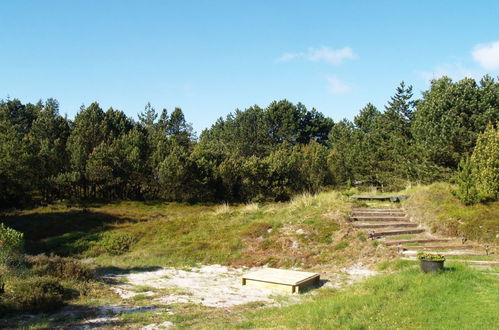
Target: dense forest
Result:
[[252, 155]]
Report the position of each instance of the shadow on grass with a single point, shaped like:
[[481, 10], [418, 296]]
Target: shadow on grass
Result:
[[449, 269], [65, 233], [76, 317], [321, 283], [112, 270], [43, 225]]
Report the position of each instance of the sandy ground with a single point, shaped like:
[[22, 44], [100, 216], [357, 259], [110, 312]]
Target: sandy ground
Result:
[[212, 286], [215, 285]]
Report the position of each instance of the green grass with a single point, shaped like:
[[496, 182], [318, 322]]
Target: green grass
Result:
[[396, 265], [459, 298], [401, 237], [176, 234], [183, 235], [492, 257], [413, 244], [436, 206]]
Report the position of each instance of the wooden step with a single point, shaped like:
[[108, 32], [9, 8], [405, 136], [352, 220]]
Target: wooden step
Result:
[[378, 214], [385, 225], [437, 247], [473, 262], [377, 210], [416, 240], [392, 198], [445, 253], [377, 218], [397, 232]]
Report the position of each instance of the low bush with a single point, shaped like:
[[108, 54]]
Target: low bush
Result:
[[11, 244], [116, 242], [32, 295], [62, 268]]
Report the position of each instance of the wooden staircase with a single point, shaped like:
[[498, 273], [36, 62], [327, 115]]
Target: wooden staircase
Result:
[[387, 222], [382, 224]]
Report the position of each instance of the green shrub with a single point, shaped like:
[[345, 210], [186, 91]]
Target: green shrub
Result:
[[116, 242], [62, 268], [11, 244], [485, 159], [466, 186], [478, 176], [33, 294]]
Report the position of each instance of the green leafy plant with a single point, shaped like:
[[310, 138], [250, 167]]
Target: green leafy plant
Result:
[[11, 244], [430, 256], [477, 177], [117, 242]]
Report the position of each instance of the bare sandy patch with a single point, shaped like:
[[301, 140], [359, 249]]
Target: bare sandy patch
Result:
[[212, 286], [219, 286]]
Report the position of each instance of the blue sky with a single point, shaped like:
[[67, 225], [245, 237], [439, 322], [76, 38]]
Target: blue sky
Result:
[[211, 57]]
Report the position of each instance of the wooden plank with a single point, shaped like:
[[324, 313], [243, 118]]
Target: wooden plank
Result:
[[385, 225], [437, 247], [392, 198], [378, 214], [281, 279], [473, 262], [310, 282], [446, 253], [416, 240], [378, 218], [397, 232], [271, 286], [281, 276], [378, 210]]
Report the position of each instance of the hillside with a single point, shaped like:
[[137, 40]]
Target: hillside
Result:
[[165, 241]]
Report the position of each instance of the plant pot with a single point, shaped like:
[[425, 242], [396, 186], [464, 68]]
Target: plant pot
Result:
[[429, 266]]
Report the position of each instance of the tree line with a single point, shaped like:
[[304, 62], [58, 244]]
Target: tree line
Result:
[[254, 154]]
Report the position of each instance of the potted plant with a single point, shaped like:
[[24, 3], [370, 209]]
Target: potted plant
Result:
[[431, 262]]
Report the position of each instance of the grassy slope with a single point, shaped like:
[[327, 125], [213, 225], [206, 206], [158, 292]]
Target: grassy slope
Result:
[[437, 207], [459, 298], [183, 235]]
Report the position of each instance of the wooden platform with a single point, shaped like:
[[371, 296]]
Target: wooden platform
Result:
[[391, 198], [281, 279]]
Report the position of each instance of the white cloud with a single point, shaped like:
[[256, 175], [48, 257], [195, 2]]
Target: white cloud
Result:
[[325, 54], [487, 55], [288, 57], [456, 71], [336, 86], [330, 55]]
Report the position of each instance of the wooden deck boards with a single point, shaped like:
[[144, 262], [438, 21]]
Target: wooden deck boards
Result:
[[392, 198], [282, 279]]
